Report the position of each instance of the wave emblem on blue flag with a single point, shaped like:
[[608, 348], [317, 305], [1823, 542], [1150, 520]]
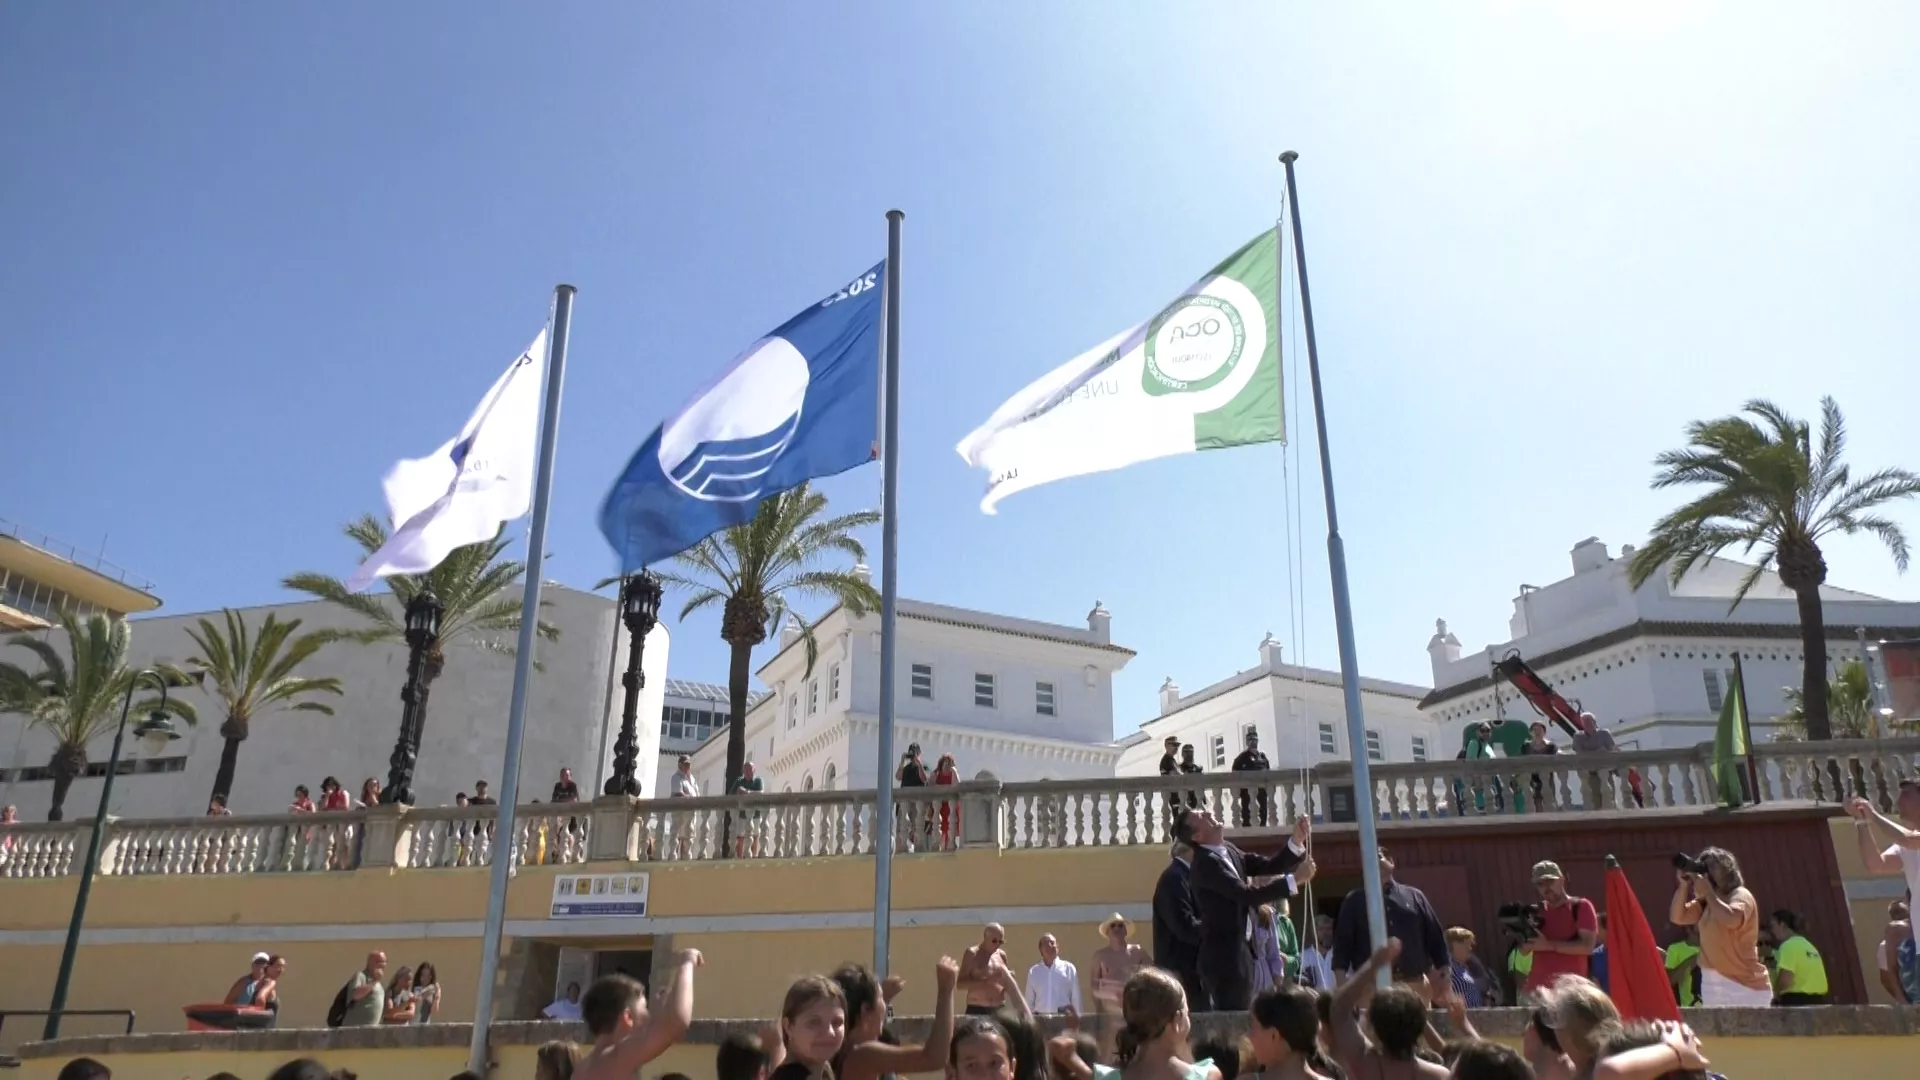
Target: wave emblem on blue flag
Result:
[[800, 403]]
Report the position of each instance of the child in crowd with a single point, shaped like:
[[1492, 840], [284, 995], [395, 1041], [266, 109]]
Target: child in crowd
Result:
[[749, 1057], [981, 1050], [1284, 1031], [813, 1022], [625, 1036]]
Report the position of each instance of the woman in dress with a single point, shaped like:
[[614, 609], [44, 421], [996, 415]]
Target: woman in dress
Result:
[[946, 775], [1269, 967], [1472, 982], [332, 795], [302, 801]]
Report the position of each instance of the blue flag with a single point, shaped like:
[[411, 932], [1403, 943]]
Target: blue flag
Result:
[[799, 403]]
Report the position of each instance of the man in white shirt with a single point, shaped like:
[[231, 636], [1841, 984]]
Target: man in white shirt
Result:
[[1316, 960], [566, 1006], [1888, 846], [1053, 984], [684, 787]]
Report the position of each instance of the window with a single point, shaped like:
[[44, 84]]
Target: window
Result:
[[1712, 679], [1328, 744], [1419, 748], [807, 783], [1217, 750], [833, 683], [813, 696], [1043, 698], [1374, 750], [832, 772], [793, 709], [922, 681], [983, 691]]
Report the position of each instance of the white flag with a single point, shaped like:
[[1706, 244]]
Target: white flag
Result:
[[1202, 374], [480, 479]]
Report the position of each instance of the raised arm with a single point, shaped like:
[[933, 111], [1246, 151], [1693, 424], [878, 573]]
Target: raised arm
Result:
[[871, 1060], [1211, 874], [666, 1025], [1349, 1044], [1685, 909]]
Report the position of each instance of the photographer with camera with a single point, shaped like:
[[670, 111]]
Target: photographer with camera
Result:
[[1565, 934], [1713, 896]]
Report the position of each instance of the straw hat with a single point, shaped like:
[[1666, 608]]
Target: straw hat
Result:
[[1110, 920]]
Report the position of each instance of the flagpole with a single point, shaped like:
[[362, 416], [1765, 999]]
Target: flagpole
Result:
[[1342, 608], [1746, 731], [889, 596], [502, 852]]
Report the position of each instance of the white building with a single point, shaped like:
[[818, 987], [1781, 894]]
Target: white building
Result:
[[1653, 663], [1298, 713], [464, 738], [1011, 698], [690, 714]]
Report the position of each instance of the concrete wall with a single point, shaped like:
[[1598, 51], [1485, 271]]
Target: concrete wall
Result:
[[464, 739]]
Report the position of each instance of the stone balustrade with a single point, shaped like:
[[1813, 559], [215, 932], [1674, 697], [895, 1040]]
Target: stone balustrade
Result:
[[1104, 812]]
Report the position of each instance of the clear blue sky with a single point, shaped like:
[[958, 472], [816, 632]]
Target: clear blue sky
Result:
[[252, 254]]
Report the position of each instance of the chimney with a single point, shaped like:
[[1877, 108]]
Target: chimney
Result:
[[1589, 554], [1169, 696], [790, 631], [1517, 625], [863, 572], [1270, 652], [1100, 623], [1442, 649]]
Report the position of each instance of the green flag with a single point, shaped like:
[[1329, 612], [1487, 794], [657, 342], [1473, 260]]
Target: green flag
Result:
[[1202, 374], [1730, 742]]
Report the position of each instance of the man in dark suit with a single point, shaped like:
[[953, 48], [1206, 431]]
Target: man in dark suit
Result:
[[1226, 898], [1176, 927]]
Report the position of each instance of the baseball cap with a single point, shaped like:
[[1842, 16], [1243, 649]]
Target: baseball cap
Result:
[[1544, 869]]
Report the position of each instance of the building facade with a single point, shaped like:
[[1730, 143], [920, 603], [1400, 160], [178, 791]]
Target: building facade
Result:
[[464, 738], [1299, 714], [1012, 699], [40, 576], [1653, 664], [690, 714]]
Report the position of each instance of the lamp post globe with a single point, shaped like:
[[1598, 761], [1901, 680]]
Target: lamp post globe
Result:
[[422, 631], [640, 611]]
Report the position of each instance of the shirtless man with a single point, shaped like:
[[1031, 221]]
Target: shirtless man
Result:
[[986, 990], [625, 1036], [1398, 1017], [1113, 964]]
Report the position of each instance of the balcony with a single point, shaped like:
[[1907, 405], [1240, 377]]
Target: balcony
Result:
[[1100, 813]]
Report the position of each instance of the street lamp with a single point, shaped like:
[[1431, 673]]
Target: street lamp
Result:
[[423, 628], [640, 610], [156, 723]]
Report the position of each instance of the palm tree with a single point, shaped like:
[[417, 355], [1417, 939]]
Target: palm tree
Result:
[[1771, 488], [79, 699], [752, 570], [251, 673], [473, 585], [1850, 707]]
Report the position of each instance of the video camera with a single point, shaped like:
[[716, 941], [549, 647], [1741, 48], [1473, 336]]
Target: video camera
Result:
[[1690, 864], [1523, 922]]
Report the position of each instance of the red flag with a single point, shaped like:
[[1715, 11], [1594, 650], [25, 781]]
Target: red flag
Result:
[[1636, 975]]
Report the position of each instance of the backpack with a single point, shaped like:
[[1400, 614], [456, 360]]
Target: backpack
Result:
[[337, 1012]]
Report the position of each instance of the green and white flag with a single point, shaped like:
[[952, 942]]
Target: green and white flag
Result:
[[1202, 374]]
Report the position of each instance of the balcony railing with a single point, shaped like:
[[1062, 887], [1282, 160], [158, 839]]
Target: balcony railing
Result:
[[1106, 812]]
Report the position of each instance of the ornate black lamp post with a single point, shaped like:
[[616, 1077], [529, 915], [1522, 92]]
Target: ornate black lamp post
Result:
[[423, 626], [156, 723], [640, 610]]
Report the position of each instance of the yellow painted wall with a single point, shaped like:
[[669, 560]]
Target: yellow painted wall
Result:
[[747, 973], [1744, 1058]]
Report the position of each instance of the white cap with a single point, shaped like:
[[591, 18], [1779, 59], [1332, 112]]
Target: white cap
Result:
[[260, 958]]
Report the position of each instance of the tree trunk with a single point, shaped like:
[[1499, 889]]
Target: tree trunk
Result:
[[68, 762], [234, 731], [1813, 671], [739, 669]]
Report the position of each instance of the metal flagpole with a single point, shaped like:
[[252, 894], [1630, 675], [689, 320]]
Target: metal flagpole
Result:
[[1342, 608], [889, 596], [502, 849]]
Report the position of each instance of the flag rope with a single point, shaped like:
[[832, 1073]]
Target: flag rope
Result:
[[1291, 526]]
